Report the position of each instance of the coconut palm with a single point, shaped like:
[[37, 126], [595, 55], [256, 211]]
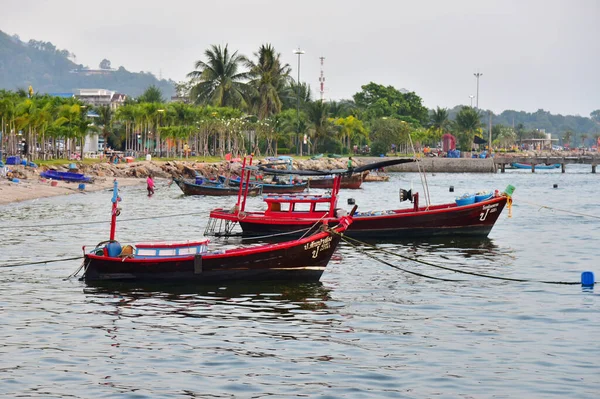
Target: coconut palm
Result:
[[567, 138], [268, 78], [218, 81], [439, 119], [467, 124], [318, 114]]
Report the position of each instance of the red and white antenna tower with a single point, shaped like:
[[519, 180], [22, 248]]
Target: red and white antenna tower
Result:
[[322, 79]]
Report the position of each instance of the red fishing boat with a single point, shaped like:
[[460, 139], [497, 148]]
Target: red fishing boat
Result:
[[303, 259], [300, 213]]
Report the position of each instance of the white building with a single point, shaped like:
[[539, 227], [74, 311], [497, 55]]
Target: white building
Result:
[[99, 97]]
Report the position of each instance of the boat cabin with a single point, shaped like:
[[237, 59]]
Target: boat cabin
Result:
[[155, 249], [170, 249], [299, 205]]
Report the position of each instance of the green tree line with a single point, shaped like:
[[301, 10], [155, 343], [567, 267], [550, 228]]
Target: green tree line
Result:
[[239, 104]]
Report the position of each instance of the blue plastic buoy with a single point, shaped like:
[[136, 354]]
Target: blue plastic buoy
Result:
[[81, 186], [587, 279], [15, 180]]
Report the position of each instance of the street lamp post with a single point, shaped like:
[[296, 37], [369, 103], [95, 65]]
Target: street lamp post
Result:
[[299, 52], [471, 97], [477, 75], [158, 143]]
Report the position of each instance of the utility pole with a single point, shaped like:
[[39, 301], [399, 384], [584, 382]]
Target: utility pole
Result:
[[490, 135], [477, 75]]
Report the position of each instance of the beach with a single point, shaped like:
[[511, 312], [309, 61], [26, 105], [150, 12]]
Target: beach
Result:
[[31, 189]]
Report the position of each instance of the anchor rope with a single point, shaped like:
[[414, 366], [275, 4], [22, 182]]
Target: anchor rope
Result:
[[39, 262], [352, 241]]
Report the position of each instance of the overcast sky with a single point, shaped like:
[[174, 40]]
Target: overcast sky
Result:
[[532, 53]]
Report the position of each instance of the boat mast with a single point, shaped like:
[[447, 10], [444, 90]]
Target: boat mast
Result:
[[247, 187], [337, 182], [115, 211], [237, 205]]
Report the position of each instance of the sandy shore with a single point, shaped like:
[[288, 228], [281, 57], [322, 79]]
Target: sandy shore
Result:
[[39, 188]]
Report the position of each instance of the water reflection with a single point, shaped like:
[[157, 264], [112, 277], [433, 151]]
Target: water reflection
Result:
[[279, 296]]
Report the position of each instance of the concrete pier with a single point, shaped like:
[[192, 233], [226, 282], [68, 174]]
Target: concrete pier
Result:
[[502, 161]]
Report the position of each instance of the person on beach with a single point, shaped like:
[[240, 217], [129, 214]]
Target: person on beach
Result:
[[150, 183]]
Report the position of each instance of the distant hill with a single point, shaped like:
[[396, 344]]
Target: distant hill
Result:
[[50, 70], [555, 124]]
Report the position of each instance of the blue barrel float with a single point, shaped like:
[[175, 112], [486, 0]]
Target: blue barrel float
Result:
[[82, 186], [587, 279]]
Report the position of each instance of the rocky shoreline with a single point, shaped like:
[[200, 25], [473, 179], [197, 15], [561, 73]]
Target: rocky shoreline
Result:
[[31, 186]]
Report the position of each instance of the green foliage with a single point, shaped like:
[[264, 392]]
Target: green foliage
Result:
[[385, 132], [467, 124], [331, 144], [218, 81], [268, 79], [379, 101], [378, 148], [151, 95]]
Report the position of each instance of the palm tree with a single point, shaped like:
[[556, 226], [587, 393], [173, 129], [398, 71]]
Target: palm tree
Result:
[[439, 119], [567, 138], [318, 113], [584, 137], [467, 123], [218, 81], [105, 121], [268, 78]]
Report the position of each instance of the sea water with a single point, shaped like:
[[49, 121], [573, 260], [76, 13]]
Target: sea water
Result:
[[367, 330]]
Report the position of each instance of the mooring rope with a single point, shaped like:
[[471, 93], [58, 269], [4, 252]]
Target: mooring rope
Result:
[[351, 242], [559, 209], [39, 262]]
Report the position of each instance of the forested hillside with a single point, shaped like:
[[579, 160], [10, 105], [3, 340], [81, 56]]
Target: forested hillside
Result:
[[50, 70], [551, 123]]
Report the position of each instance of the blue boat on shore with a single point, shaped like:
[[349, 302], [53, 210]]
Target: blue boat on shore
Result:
[[65, 176], [517, 165]]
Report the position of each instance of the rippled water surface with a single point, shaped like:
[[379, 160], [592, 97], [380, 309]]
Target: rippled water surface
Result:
[[367, 330]]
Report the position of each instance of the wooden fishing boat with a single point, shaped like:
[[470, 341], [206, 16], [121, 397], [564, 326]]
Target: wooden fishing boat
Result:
[[190, 187], [375, 177], [349, 182], [269, 188], [65, 176], [517, 165], [299, 213], [304, 259]]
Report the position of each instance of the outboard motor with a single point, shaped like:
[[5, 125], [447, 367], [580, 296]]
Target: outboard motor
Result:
[[405, 195]]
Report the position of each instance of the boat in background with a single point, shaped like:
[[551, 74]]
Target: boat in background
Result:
[[349, 182], [375, 177], [65, 176], [304, 259], [517, 165], [190, 187], [277, 187], [297, 214]]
